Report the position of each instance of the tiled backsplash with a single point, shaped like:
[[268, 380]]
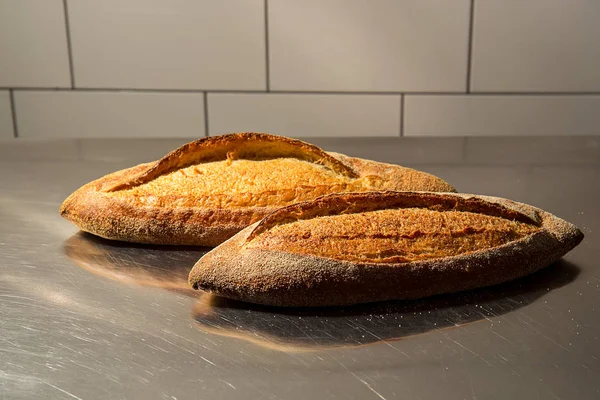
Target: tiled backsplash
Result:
[[190, 68]]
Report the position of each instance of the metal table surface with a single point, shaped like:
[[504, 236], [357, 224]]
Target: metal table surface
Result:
[[85, 318]]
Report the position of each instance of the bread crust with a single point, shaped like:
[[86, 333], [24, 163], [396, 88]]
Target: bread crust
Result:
[[280, 278], [94, 210]]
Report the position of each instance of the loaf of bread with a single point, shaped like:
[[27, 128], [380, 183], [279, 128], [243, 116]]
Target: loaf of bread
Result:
[[208, 190], [351, 248]]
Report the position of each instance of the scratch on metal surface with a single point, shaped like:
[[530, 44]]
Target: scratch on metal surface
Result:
[[465, 347], [367, 385], [67, 347], [179, 347], [380, 339], [486, 317], [29, 328], [306, 334], [198, 344], [62, 390], [208, 361], [83, 366], [499, 335], [84, 339], [5, 375], [18, 350], [537, 331], [228, 384], [360, 379], [16, 297], [472, 389], [153, 346]]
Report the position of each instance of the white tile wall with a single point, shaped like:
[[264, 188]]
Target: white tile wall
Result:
[[114, 114], [376, 45], [178, 44], [483, 115], [33, 45], [6, 124], [142, 68], [303, 115], [536, 45]]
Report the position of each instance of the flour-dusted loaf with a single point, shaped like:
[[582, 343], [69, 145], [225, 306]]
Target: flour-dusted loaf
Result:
[[208, 190], [351, 248]]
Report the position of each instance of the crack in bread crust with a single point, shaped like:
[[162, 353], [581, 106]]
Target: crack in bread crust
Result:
[[392, 235], [356, 203], [244, 183]]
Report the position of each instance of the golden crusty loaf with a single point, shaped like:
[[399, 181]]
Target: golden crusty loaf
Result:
[[351, 248], [208, 190]]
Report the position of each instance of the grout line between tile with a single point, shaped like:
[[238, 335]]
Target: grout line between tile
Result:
[[470, 45], [333, 92], [206, 114], [308, 92], [402, 108], [267, 56], [69, 47], [13, 112]]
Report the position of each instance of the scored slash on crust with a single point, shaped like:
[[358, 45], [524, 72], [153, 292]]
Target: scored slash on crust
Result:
[[236, 146]]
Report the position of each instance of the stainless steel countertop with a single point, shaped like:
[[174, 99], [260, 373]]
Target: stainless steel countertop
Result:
[[84, 318]]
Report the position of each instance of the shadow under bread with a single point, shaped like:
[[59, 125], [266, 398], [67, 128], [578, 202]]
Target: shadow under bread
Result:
[[305, 329]]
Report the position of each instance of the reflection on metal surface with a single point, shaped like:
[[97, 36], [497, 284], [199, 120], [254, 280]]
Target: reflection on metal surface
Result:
[[166, 267], [301, 329]]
